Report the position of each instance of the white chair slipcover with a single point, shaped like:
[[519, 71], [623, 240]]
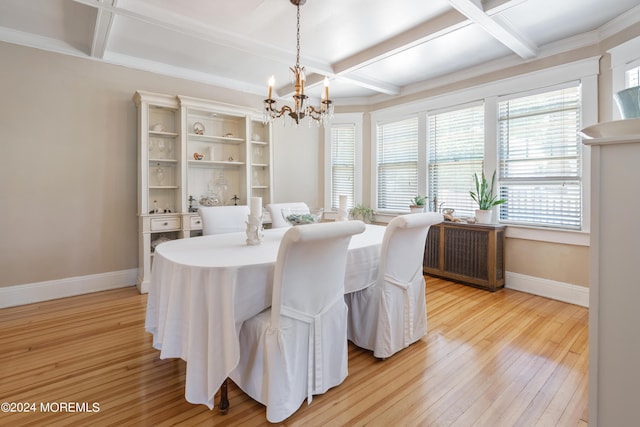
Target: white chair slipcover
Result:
[[275, 210], [298, 347], [223, 219], [392, 314]]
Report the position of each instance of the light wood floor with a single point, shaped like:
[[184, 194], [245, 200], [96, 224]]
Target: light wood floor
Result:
[[489, 359]]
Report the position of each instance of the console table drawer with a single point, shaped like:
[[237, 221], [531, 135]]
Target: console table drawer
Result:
[[196, 222], [164, 224]]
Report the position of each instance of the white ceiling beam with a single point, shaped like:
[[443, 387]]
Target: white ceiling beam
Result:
[[501, 31], [427, 31], [102, 30]]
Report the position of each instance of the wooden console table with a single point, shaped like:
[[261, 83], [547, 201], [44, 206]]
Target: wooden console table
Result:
[[469, 253]]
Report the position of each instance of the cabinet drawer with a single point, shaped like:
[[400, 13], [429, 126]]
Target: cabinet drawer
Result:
[[196, 223], [161, 224]]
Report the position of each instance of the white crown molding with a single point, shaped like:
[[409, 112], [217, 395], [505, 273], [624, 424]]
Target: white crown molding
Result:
[[29, 293], [619, 23]]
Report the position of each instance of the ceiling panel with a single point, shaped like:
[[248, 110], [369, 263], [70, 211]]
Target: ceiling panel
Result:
[[367, 47]]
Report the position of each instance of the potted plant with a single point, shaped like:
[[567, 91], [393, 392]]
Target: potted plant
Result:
[[485, 198], [362, 212], [417, 204]]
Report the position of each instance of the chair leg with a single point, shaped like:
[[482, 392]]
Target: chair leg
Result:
[[224, 399]]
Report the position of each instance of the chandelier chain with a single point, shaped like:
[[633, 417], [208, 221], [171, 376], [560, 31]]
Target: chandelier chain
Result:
[[298, 37]]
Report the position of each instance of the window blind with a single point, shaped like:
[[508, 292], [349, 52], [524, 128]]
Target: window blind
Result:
[[632, 77], [456, 152], [540, 159], [343, 155], [397, 164]]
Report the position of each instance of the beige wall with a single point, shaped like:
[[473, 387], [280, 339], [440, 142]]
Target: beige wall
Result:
[[552, 261], [68, 162]]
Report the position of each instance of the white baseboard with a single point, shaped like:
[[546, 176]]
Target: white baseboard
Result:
[[11, 296], [560, 291]]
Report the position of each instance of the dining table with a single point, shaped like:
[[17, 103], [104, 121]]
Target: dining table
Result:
[[203, 288]]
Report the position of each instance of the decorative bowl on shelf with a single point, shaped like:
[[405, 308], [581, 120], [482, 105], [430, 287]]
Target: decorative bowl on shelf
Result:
[[198, 156], [302, 216], [198, 128]]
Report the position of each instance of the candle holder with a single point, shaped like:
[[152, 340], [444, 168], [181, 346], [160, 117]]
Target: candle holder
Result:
[[255, 231], [343, 215]]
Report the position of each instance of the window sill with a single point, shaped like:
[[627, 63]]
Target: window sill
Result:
[[567, 237], [578, 238]]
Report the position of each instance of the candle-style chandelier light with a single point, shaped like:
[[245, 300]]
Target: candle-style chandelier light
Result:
[[301, 108]]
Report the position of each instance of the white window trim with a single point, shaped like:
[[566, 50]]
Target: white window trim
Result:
[[355, 119], [585, 70], [422, 157], [623, 57]]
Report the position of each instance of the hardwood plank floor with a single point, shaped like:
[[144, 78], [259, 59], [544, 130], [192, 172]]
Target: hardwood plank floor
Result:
[[490, 359]]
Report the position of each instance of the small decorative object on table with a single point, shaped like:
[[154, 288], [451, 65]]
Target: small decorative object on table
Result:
[[301, 217], [255, 232]]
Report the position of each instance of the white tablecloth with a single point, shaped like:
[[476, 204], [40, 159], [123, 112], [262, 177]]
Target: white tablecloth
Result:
[[203, 288]]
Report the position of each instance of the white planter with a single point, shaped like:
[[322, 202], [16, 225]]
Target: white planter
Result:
[[416, 209], [483, 216]]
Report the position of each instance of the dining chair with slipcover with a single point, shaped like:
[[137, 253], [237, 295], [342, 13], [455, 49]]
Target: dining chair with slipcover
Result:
[[275, 210], [298, 347], [223, 219], [391, 314]]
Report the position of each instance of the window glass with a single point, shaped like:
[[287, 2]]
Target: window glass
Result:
[[397, 164], [343, 154], [456, 152], [540, 159]]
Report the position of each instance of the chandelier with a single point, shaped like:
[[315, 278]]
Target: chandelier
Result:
[[301, 107]]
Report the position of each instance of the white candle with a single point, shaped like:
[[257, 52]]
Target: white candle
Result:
[[343, 204], [326, 88], [256, 206], [272, 82]]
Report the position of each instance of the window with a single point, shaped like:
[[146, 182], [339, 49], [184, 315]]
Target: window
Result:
[[632, 77], [397, 164], [343, 149], [540, 161], [343, 153], [456, 152]]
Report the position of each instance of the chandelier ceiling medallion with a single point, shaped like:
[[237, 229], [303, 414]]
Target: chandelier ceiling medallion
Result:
[[301, 108]]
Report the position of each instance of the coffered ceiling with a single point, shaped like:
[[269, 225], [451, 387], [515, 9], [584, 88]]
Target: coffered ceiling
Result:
[[370, 49]]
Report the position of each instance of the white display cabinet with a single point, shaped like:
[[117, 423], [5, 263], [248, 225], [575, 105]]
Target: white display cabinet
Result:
[[193, 150], [261, 173], [159, 176]]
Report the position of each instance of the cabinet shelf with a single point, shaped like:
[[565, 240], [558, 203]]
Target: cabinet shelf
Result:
[[160, 134], [214, 163], [219, 139], [261, 165], [163, 187], [163, 161]]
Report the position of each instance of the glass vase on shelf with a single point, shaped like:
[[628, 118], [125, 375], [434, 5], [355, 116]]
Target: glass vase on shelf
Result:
[[159, 175], [222, 188]]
